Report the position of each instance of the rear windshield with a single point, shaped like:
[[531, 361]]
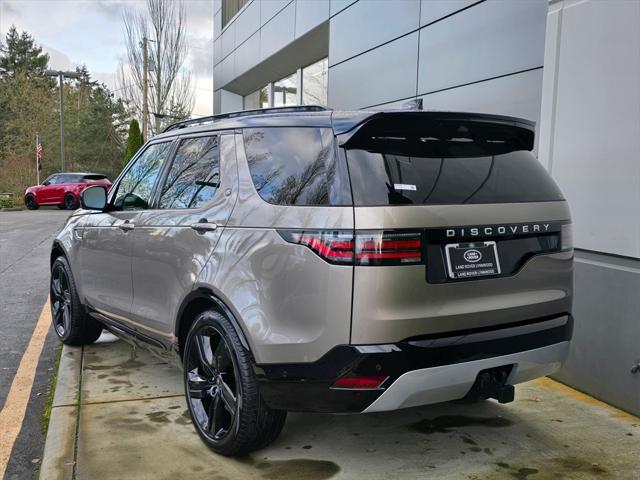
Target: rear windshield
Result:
[[95, 178], [296, 166], [446, 162]]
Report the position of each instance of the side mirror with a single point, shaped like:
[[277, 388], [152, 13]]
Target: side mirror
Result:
[[94, 198], [46, 183]]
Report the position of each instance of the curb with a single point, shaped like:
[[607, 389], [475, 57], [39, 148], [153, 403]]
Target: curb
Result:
[[11, 209], [58, 459]]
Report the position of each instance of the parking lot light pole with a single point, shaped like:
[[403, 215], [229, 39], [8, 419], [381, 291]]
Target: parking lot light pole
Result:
[[61, 74]]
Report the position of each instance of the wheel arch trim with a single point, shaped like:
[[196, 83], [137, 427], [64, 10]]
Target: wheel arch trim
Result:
[[206, 293]]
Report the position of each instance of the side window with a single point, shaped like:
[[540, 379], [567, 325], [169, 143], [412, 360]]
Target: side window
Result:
[[136, 186], [295, 166], [195, 174], [51, 180]]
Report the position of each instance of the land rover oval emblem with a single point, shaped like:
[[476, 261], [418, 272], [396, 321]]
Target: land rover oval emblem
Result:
[[472, 256]]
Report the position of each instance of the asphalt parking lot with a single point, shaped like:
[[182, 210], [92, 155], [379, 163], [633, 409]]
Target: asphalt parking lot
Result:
[[118, 416], [25, 243]]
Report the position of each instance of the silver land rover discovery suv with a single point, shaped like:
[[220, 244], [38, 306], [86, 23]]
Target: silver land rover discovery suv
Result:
[[303, 259]]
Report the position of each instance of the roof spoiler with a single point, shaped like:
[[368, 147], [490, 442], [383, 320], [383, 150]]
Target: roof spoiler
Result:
[[496, 133]]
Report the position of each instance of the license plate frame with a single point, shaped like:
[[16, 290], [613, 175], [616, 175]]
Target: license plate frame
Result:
[[462, 263]]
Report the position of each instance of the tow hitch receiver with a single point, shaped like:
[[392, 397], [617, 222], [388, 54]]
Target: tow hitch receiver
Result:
[[492, 383]]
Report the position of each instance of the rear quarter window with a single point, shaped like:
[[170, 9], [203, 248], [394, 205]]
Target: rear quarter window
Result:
[[296, 166]]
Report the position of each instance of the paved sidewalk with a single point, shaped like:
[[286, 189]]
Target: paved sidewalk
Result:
[[133, 423]]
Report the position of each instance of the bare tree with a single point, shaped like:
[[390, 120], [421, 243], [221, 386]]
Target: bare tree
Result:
[[171, 93]]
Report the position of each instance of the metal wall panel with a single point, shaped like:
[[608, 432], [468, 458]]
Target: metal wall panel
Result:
[[217, 51], [517, 95], [592, 124], [606, 339], [339, 5], [248, 54], [269, 8], [217, 23], [278, 33], [248, 22], [484, 41], [228, 39], [381, 75], [368, 24], [310, 14], [432, 10]]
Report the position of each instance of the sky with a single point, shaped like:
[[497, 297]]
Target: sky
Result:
[[90, 32]]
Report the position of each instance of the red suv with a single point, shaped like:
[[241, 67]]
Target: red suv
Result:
[[62, 189]]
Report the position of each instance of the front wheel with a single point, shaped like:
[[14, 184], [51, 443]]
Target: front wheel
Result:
[[31, 203], [222, 392], [70, 321]]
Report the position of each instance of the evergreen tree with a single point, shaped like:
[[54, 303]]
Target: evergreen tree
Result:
[[134, 141], [20, 54]]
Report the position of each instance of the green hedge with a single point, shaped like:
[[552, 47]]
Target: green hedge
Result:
[[7, 202]]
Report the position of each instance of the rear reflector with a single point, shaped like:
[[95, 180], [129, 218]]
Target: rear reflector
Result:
[[366, 247], [360, 383]]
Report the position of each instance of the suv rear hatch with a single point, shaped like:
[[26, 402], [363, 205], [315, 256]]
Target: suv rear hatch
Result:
[[465, 227]]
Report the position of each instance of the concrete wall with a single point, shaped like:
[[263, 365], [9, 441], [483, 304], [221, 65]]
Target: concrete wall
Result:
[[590, 142]]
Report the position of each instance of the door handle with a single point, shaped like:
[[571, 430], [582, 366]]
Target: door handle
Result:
[[126, 226], [204, 226]]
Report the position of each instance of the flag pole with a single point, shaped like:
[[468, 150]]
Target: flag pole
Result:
[[37, 159]]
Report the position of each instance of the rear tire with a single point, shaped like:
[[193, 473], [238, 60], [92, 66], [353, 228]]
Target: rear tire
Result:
[[31, 203], [70, 202], [72, 324], [222, 392]]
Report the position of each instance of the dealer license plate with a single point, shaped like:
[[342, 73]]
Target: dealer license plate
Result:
[[469, 260]]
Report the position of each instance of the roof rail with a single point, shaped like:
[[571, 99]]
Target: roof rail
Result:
[[243, 113]]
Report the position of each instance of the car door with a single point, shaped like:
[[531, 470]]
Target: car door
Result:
[[104, 256], [57, 188], [47, 189], [173, 241]]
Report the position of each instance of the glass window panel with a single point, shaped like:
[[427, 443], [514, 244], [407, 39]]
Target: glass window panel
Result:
[[314, 83], [194, 175], [135, 188], [285, 91], [257, 99], [296, 166]]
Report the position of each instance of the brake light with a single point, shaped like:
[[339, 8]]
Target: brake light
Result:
[[366, 247], [360, 383], [333, 246]]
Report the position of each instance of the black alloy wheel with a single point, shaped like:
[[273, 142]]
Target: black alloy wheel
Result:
[[213, 389], [72, 324], [60, 300], [30, 202], [70, 202], [222, 392]]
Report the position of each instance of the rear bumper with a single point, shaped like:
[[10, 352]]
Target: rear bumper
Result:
[[419, 371]]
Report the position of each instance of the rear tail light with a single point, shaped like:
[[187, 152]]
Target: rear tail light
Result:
[[388, 248], [333, 246], [566, 237], [360, 383], [367, 247]]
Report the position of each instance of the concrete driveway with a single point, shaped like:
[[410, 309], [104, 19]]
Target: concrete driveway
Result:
[[132, 422]]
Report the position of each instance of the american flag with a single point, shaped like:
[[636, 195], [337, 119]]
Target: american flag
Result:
[[39, 154]]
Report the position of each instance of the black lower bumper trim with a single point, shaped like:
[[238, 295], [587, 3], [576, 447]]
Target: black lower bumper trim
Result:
[[306, 386]]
